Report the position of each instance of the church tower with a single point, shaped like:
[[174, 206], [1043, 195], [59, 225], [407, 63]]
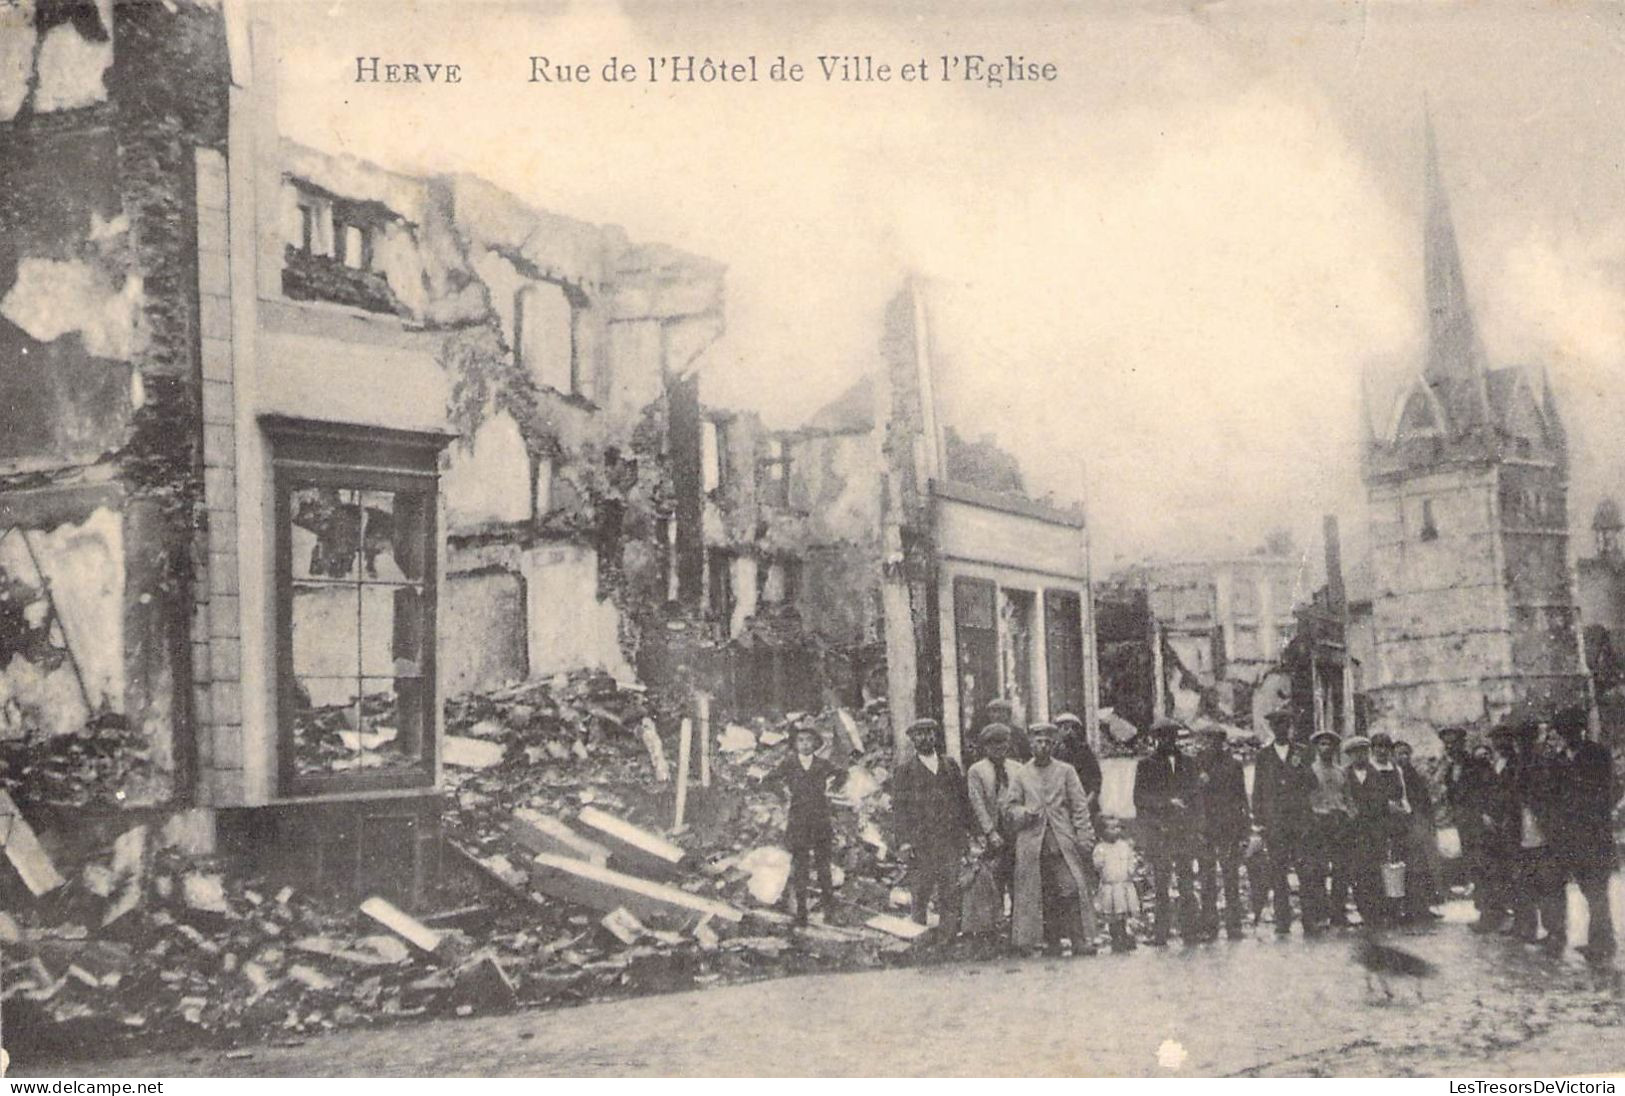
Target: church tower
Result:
[[1473, 602]]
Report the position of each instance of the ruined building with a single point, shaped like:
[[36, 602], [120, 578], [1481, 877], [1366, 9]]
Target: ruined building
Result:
[[295, 447], [912, 553], [1473, 603]]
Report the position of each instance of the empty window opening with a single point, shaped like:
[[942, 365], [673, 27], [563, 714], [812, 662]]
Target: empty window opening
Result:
[[545, 321]]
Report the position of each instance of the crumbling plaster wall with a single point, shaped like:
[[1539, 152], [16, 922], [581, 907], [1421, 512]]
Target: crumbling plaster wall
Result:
[[828, 523], [594, 461], [102, 107]]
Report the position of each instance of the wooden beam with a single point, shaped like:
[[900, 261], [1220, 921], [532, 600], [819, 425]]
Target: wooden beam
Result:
[[587, 884], [685, 740], [540, 832], [408, 928], [631, 846], [24, 850]]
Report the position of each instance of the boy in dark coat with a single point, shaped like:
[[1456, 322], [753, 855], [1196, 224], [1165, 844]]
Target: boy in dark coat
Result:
[[808, 833]]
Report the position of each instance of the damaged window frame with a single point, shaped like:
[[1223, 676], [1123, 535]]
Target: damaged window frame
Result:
[[304, 454]]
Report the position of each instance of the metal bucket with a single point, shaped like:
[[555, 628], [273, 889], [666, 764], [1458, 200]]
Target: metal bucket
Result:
[[1393, 879]]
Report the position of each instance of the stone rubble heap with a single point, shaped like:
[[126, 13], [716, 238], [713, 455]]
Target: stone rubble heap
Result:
[[562, 880]]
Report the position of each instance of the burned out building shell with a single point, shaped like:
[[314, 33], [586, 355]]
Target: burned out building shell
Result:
[[296, 446]]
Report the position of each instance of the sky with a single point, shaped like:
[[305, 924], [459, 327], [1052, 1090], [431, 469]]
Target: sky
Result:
[[1158, 279]]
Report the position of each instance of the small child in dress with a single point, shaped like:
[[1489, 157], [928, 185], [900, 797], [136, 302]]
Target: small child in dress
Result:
[[1119, 898]]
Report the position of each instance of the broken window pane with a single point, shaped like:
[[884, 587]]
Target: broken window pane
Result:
[[392, 723], [391, 631], [325, 717], [326, 629], [326, 532], [359, 627]]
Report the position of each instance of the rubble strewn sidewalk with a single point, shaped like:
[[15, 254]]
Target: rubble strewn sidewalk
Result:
[[561, 883]]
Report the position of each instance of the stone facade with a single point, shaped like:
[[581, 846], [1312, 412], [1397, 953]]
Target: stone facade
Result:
[[1473, 603]]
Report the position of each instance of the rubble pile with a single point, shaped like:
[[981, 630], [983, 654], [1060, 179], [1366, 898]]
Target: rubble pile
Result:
[[158, 945], [578, 744], [563, 880]]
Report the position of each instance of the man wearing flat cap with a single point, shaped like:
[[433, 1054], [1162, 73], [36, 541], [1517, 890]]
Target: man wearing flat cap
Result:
[[1538, 875], [990, 783], [933, 816], [1368, 839], [1075, 750], [1000, 710], [1164, 792], [1325, 890], [1281, 787], [1049, 811]]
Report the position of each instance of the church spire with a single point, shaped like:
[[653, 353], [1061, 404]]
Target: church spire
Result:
[[1455, 357]]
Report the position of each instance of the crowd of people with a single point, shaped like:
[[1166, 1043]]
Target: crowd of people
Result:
[[1353, 820]]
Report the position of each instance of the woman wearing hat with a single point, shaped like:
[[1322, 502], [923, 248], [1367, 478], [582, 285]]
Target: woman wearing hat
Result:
[[808, 833]]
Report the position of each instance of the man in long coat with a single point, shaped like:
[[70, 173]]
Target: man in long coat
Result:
[[1586, 833], [1054, 895], [933, 817], [1281, 786], [1164, 798]]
